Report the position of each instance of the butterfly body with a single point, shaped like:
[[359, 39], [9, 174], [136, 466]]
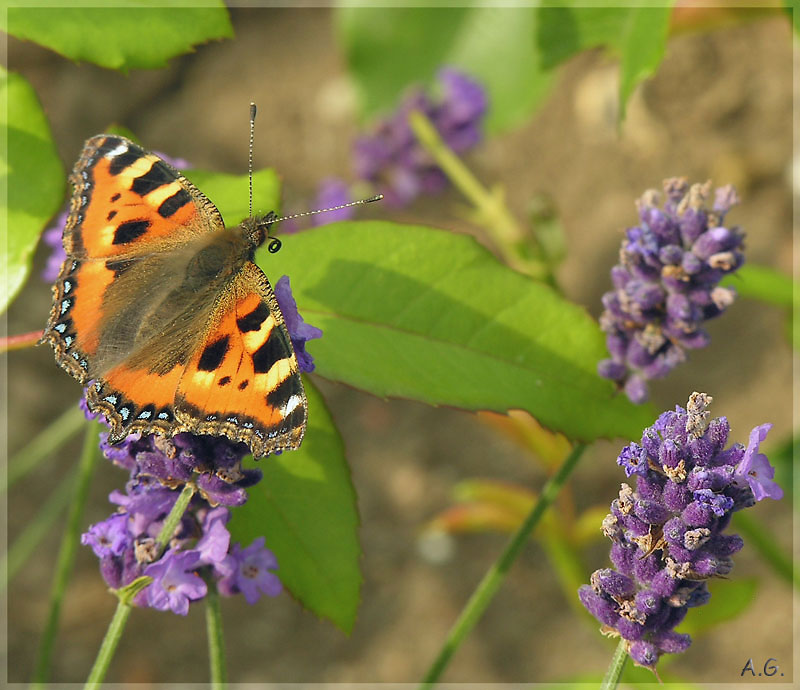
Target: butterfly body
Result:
[[162, 310]]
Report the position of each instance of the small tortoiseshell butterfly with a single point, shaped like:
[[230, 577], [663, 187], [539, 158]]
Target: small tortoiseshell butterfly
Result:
[[162, 309]]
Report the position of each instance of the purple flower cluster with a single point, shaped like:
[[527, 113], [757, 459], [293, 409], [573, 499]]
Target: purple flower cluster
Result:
[[668, 533], [391, 157], [666, 284], [200, 550]]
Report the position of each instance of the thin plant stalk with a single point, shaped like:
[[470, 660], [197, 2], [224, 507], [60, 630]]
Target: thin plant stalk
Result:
[[490, 584], [67, 552], [615, 668], [108, 646], [216, 641], [174, 517]]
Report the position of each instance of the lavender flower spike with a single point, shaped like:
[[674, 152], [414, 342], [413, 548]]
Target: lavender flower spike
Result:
[[668, 535], [392, 159], [666, 284]]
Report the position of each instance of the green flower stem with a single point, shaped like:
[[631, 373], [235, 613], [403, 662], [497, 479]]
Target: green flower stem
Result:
[[36, 530], [485, 591], [109, 646], [615, 668], [48, 440], [216, 642], [114, 632], [66, 555], [174, 517], [489, 205]]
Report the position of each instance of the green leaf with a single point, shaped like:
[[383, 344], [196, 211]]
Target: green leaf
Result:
[[230, 194], [32, 175], [637, 35], [763, 283], [429, 315], [789, 6], [305, 506], [389, 49], [121, 38], [729, 598], [770, 286]]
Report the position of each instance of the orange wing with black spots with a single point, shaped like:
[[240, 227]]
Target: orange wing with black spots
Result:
[[162, 310]]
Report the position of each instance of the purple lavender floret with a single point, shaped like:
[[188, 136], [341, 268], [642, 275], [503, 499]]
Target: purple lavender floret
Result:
[[668, 534], [299, 331], [667, 283], [391, 157], [251, 572]]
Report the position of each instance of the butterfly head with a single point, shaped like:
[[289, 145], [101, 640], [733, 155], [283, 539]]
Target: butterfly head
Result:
[[256, 231]]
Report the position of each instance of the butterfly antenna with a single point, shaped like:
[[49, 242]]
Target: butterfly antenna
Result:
[[377, 197], [250, 157]]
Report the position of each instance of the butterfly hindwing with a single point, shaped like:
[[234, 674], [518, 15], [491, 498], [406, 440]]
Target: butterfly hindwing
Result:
[[161, 310], [244, 382]]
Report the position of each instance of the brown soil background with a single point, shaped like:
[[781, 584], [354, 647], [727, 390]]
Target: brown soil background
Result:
[[720, 107]]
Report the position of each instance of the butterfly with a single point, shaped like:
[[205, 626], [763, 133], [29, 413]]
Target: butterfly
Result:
[[162, 310]]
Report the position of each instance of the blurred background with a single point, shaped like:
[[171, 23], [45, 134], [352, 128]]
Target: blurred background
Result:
[[719, 107]]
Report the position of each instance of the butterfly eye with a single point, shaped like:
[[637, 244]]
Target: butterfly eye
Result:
[[274, 245]]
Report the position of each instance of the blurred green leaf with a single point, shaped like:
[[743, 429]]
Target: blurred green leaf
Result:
[[758, 536], [637, 35], [305, 506], [230, 194], [763, 283], [31, 176], [419, 313], [729, 598], [389, 49], [588, 526], [790, 6], [770, 286], [122, 38], [782, 457]]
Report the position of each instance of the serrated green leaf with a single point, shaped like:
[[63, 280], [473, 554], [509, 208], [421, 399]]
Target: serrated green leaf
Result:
[[424, 314], [230, 193], [32, 176], [637, 35], [305, 506], [121, 38], [389, 49]]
